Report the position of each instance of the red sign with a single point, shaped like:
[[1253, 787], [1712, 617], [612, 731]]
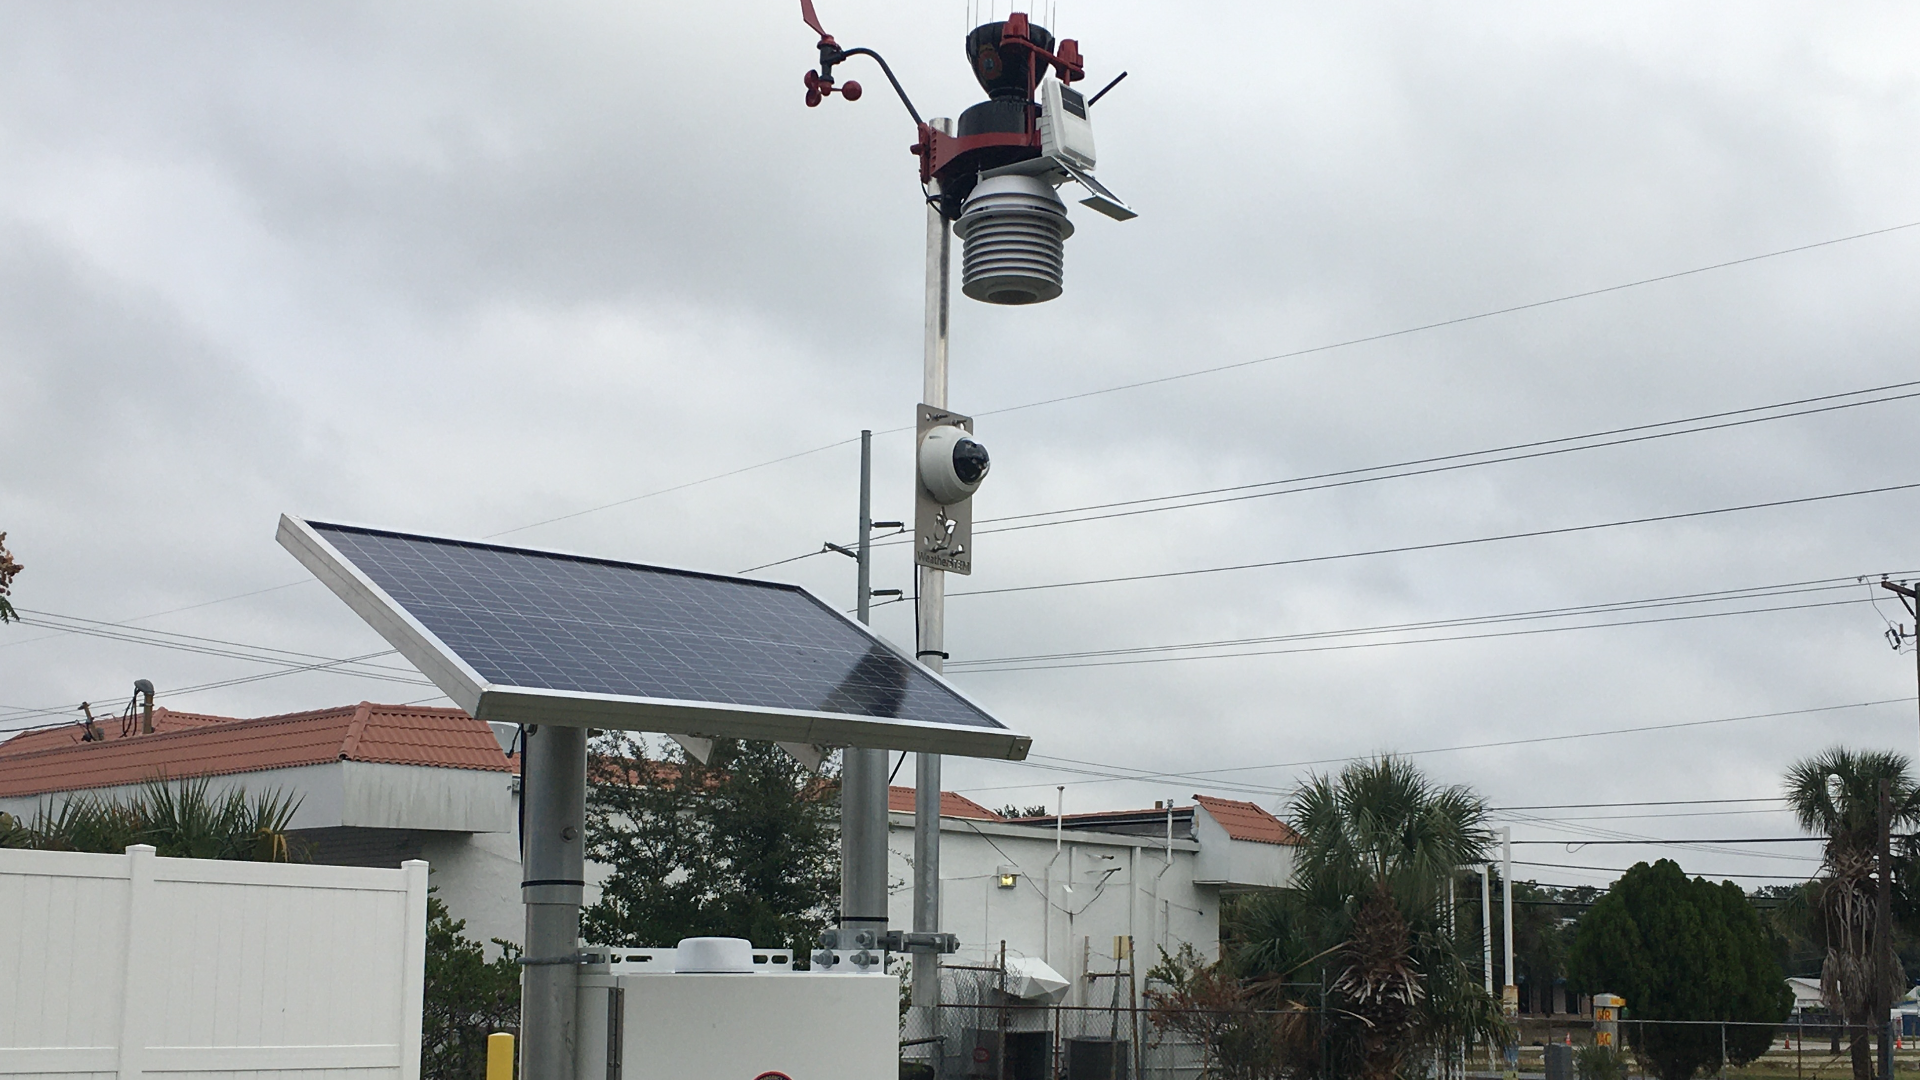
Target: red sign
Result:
[[773, 1076]]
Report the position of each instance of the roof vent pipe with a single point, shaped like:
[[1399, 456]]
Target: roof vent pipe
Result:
[[143, 692]]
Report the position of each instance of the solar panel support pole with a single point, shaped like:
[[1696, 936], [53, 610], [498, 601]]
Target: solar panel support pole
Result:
[[553, 872], [931, 634], [863, 774]]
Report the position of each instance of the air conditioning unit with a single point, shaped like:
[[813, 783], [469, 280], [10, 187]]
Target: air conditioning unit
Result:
[[720, 1009]]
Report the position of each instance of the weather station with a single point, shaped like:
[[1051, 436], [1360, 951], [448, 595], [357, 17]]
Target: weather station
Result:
[[560, 644], [994, 179]]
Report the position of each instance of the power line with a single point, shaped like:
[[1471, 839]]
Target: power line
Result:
[[1106, 657], [1601, 834], [1739, 840], [1440, 544], [1623, 869], [679, 487], [171, 611], [1410, 641], [1371, 338], [1650, 802], [1405, 331], [1105, 773], [1293, 354], [1668, 814], [201, 687], [213, 646], [1399, 470], [1450, 462]]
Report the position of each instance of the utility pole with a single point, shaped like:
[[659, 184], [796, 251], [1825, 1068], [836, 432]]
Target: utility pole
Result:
[[931, 614], [863, 772], [1910, 598]]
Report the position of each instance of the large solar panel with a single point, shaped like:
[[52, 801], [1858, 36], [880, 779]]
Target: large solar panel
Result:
[[535, 637]]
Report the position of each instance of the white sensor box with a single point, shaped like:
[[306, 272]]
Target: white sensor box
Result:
[[1065, 131]]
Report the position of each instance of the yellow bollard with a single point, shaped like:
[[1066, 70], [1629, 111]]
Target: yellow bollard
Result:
[[499, 1056]]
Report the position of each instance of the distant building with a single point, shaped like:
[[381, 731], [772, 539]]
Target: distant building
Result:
[[377, 785], [1069, 890], [380, 784], [1806, 994]]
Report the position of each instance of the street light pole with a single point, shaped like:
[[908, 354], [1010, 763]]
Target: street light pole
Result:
[[1486, 936], [931, 606], [1510, 991]]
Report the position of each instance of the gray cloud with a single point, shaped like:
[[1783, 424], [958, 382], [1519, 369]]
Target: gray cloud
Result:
[[463, 268]]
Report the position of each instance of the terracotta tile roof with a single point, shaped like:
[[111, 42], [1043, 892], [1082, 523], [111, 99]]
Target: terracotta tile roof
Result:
[[164, 720], [388, 734], [952, 804], [1247, 821]]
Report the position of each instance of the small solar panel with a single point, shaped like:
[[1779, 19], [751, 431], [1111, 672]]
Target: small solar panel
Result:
[[535, 637]]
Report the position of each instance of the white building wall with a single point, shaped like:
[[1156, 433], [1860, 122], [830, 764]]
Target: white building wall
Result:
[[1121, 886], [352, 793], [477, 875], [383, 796], [319, 788], [1238, 864]]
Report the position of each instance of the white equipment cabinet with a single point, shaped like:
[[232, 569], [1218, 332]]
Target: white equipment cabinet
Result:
[[645, 1016]]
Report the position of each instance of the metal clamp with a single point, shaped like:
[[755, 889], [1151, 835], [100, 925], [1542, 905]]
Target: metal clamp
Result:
[[542, 961], [905, 941]]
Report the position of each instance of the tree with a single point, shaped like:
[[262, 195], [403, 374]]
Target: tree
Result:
[[8, 570], [1790, 914], [1682, 949], [182, 820], [743, 846], [1379, 843], [1836, 794], [1036, 810], [467, 998], [1242, 1033]]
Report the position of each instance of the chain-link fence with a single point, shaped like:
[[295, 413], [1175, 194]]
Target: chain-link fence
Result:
[[982, 1032], [1026, 1041]]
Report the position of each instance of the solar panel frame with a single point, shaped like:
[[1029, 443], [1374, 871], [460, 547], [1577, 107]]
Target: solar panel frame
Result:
[[487, 700]]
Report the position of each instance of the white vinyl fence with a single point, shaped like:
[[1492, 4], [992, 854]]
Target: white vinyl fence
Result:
[[125, 966]]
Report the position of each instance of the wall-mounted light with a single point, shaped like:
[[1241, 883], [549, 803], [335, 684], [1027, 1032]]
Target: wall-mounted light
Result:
[[1008, 877]]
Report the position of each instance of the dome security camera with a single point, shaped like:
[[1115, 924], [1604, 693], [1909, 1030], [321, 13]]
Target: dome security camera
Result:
[[952, 464]]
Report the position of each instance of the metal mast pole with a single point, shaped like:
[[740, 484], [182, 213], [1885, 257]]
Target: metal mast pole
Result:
[[553, 875], [863, 774], [932, 614]]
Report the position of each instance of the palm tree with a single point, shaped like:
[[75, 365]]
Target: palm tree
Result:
[[185, 821], [1379, 843], [1836, 794]]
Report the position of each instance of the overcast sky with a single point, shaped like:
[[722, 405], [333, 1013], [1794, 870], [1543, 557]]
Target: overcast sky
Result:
[[465, 267]]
